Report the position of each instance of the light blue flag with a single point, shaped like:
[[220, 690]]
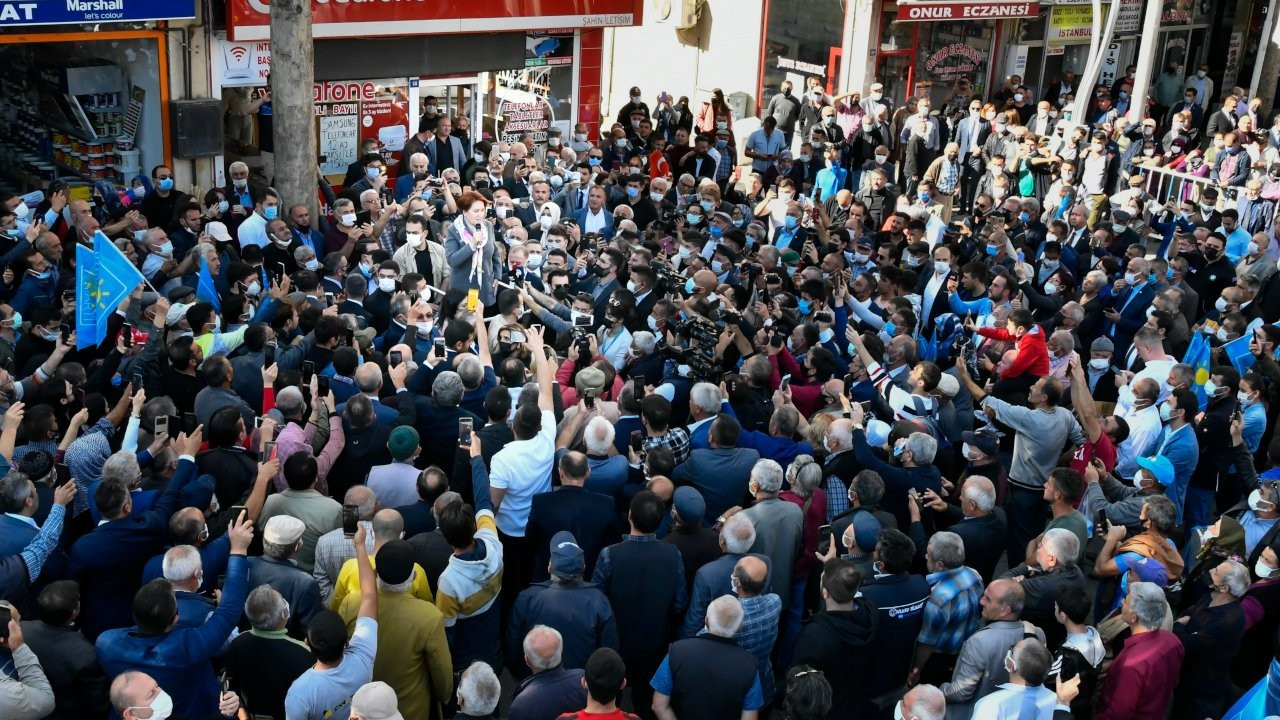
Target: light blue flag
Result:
[[86, 309], [205, 289], [1198, 358], [116, 277], [1237, 352]]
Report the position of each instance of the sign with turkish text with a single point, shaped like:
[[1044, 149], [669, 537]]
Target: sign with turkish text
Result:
[[542, 48], [16, 13], [1070, 23], [926, 10], [250, 19]]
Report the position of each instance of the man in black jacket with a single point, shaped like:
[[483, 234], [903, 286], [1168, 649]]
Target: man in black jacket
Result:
[[977, 520], [79, 684], [1213, 433], [1056, 569], [837, 642]]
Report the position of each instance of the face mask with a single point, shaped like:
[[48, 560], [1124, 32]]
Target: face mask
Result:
[[387, 285], [1050, 288], [688, 286], [692, 218], [993, 250], [685, 252], [924, 198], [803, 306], [898, 449], [1253, 248], [791, 222], [1243, 397], [1211, 253], [1131, 278], [1200, 74], [1017, 97], [161, 708], [890, 328], [425, 327], [1257, 504], [271, 213], [166, 249], [1262, 570], [413, 239], [372, 173], [312, 264], [1220, 305], [253, 289], [716, 231], [348, 219], [1166, 413], [580, 137], [1211, 390], [881, 159], [1099, 363], [717, 267], [721, 124], [139, 192]]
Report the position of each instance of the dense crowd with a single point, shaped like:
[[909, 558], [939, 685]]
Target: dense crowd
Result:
[[946, 410]]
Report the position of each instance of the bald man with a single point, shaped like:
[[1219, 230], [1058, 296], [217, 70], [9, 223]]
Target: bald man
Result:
[[761, 614], [387, 526], [552, 689]]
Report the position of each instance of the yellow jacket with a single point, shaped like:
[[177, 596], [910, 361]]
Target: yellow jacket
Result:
[[349, 583]]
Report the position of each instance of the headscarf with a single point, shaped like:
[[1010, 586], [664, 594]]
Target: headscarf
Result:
[[1228, 543]]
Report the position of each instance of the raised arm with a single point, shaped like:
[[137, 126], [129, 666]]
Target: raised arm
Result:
[[543, 368], [1082, 401], [368, 580]]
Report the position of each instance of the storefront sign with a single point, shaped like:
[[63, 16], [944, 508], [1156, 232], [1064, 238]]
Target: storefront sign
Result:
[[15, 13], [954, 61], [541, 49], [1110, 62], [925, 10], [243, 64], [250, 19], [1072, 22], [1233, 59], [349, 112], [1177, 12]]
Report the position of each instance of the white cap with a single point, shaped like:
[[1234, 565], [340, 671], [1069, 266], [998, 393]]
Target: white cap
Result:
[[177, 313], [218, 231], [283, 530]]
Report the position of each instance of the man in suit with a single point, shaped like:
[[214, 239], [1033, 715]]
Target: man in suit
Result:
[[1256, 213], [594, 217], [369, 382], [1190, 103], [18, 502], [518, 183], [933, 287], [971, 133], [417, 516], [445, 151], [1128, 311], [588, 515], [1042, 124], [1222, 121], [108, 562], [720, 472], [977, 520], [573, 198], [1061, 88], [356, 289]]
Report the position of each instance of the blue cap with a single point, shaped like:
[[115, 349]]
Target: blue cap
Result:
[[1160, 466]]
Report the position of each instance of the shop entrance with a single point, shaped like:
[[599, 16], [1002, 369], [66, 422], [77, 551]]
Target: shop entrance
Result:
[[456, 97], [894, 70]]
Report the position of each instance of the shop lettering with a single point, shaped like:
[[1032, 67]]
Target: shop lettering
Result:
[[94, 5], [338, 92], [607, 20], [955, 50], [17, 11], [963, 11], [804, 67]]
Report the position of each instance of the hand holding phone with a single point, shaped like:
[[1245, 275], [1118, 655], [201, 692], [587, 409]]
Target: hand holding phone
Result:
[[350, 519], [464, 431]]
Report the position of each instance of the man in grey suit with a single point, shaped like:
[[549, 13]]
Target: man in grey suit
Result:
[[444, 150], [779, 526], [572, 199], [721, 471]]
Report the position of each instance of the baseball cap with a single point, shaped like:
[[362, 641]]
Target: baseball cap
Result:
[[984, 442], [283, 530], [866, 531], [689, 504], [566, 556], [218, 231], [1160, 466]]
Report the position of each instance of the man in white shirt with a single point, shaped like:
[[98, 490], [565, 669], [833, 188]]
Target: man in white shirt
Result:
[[1147, 346], [1143, 418], [522, 468], [1024, 696], [595, 218], [253, 231]]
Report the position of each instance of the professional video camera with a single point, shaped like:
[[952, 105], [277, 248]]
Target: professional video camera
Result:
[[664, 278], [702, 335]]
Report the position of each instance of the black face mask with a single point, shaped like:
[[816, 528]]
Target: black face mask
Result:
[[1211, 254], [560, 292], [602, 271]]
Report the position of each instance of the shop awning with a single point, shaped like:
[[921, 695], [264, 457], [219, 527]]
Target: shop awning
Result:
[[947, 11]]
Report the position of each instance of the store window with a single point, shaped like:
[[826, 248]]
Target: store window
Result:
[[954, 59], [82, 111], [800, 36]]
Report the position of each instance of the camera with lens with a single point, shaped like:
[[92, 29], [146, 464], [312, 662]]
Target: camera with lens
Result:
[[666, 222], [664, 278]]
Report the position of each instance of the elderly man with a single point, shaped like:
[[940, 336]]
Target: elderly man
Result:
[[478, 692], [779, 528], [1025, 695], [278, 567], [414, 181], [709, 676], [1055, 568], [262, 663], [577, 609], [387, 527], [953, 611], [1143, 675], [137, 696], [761, 616], [979, 523], [552, 690], [981, 667]]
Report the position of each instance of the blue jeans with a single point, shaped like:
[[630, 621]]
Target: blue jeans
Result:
[[1198, 509]]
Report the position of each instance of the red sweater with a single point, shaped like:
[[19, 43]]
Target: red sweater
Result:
[[1033, 354]]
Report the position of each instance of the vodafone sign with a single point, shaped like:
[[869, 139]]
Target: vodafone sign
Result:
[[925, 10], [250, 19]]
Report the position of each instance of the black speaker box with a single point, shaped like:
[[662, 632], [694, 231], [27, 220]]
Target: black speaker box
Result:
[[196, 126]]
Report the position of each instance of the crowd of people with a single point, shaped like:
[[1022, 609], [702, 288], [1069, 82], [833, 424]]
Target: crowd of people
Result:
[[942, 416]]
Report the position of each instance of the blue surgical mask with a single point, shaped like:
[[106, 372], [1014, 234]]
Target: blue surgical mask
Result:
[[688, 286], [593, 161], [717, 267], [890, 328], [223, 206], [1168, 274], [897, 449], [722, 144], [1024, 216], [804, 306], [165, 184], [693, 218], [372, 173], [992, 250], [707, 205], [633, 192], [924, 197], [271, 213], [792, 221], [716, 231]]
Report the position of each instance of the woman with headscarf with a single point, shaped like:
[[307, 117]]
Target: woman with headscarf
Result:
[[1222, 541]]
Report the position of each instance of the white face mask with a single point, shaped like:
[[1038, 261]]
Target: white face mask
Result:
[[1099, 363], [1262, 570], [161, 708], [1257, 504], [348, 219], [253, 289], [424, 327], [413, 239], [387, 285]]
